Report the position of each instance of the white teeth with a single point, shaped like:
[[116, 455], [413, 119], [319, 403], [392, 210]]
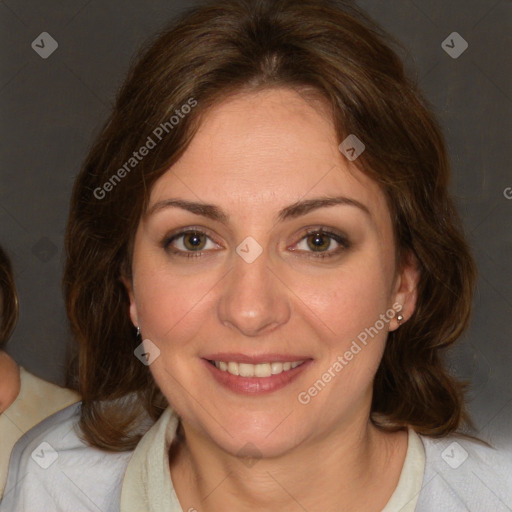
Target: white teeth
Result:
[[245, 370], [276, 368], [262, 370], [233, 368], [255, 370]]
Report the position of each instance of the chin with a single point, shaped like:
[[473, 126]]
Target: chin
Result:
[[256, 436]]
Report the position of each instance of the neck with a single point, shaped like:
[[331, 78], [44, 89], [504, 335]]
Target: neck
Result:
[[356, 467]]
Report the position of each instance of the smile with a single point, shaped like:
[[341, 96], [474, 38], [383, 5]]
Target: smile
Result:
[[255, 370], [256, 377]]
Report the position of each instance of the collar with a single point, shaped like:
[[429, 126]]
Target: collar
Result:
[[148, 485]]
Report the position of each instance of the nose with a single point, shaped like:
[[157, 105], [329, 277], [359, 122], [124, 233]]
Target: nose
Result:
[[254, 301]]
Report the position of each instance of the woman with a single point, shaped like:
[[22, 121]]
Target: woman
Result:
[[262, 257], [9, 374], [25, 399]]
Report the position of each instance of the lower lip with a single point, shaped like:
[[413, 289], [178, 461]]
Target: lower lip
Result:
[[255, 385]]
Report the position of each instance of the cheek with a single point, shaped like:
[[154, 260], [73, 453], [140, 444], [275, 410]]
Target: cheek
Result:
[[172, 311], [347, 307], [167, 303], [351, 298], [162, 297]]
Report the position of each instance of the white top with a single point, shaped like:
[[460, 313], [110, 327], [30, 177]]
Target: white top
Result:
[[451, 474], [148, 486], [36, 400]]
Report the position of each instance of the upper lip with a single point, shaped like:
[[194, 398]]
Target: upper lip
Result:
[[255, 359]]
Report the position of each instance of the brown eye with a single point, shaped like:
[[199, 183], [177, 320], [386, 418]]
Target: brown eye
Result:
[[194, 241], [189, 243], [319, 242]]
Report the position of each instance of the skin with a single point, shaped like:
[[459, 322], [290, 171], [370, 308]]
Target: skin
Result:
[[255, 155], [9, 381]]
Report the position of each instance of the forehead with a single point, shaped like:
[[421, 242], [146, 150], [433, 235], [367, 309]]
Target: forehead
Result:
[[271, 148]]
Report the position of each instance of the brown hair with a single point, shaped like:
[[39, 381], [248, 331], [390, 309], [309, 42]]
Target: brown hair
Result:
[[230, 46], [8, 300]]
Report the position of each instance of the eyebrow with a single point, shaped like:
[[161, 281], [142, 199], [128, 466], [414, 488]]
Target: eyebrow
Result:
[[205, 210], [290, 212], [303, 207]]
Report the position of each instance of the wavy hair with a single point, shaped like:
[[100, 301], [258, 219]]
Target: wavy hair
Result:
[[218, 49]]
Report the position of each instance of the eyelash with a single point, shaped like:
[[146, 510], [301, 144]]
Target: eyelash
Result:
[[166, 243], [340, 239]]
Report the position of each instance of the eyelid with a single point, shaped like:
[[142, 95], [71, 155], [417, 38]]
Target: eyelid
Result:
[[337, 236], [171, 237]]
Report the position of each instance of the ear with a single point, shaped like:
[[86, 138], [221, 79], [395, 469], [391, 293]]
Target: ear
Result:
[[128, 284], [405, 291]]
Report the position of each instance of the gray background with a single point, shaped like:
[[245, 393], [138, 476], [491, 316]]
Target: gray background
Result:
[[51, 109]]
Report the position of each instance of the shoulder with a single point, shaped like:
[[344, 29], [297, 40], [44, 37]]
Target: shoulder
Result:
[[55, 397], [38, 399], [464, 474], [52, 469]]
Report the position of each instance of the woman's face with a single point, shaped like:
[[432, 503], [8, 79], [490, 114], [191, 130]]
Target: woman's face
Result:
[[264, 246]]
